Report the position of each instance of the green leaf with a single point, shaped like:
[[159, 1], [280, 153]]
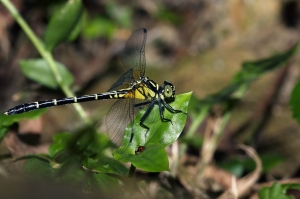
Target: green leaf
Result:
[[238, 165], [8, 120], [291, 186], [277, 191], [71, 171], [103, 164], [38, 168], [38, 70], [115, 167], [152, 159], [252, 70], [103, 182], [99, 26], [270, 161], [62, 23], [223, 95], [60, 142], [3, 132], [97, 144], [169, 16], [86, 142], [234, 166], [120, 13], [294, 102], [76, 30], [161, 134]]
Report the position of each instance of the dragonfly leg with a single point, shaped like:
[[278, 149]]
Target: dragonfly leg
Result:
[[161, 111], [140, 105], [144, 117], [170, 108], [131, 137]]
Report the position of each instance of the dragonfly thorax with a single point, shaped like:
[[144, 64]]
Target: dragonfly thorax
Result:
[[167, 91]]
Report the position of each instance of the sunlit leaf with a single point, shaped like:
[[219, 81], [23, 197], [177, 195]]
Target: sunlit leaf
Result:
[[152, 159], [161, 134]]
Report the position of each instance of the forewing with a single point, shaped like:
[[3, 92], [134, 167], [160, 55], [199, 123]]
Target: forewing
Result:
[[117, 119], [133, 55]]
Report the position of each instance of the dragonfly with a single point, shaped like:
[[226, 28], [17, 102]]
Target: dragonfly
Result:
[[133, 92]]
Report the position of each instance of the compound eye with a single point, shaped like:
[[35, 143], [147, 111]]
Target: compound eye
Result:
[[168, 91]]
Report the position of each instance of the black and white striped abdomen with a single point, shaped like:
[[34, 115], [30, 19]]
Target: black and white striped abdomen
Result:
[[69, 100]]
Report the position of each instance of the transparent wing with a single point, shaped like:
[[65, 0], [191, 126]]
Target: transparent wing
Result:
[[133, 55], [123, 82], [118, 118]]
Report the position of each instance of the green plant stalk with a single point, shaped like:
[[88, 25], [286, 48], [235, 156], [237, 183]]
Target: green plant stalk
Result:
[[216, 137], [191, 131], [197, 121], [45, 54], [238, 94], [131, 171]]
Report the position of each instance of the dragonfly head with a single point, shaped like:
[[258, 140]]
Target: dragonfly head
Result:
[[168, 91]]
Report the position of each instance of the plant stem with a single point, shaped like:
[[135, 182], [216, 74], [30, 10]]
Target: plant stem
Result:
[[131, 171], [45, 54], [197, 121], [191, 131]]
